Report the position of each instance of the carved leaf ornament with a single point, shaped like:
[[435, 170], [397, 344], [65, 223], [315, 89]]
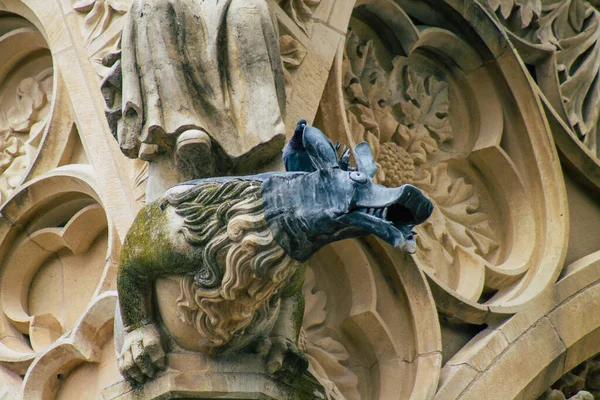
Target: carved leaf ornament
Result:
[[26, 97], [581, 383], [325, 354], [526, 10], [458, 224], [574, 28], [99, 14], [571, 28], [101, 28], [432, 112], [404, 114], [21, 135], [300, 11]]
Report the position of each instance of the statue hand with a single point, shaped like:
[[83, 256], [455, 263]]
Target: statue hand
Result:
[[142, 355], [285, 358]]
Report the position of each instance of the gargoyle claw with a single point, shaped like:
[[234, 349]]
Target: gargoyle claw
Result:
[[285, 359], [262, 346], [142, 355]]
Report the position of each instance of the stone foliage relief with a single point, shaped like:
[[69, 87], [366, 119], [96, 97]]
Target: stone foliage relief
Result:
[[407, 143], [325, 355], [99, 14], [432, 110], [24, 125], [26, 93], [581, 383], [405, 114], [101, 27], [570, 29]]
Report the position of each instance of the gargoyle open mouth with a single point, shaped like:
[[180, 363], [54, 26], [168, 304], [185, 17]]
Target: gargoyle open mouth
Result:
[[391, 214], [409, 207], [395, 213]]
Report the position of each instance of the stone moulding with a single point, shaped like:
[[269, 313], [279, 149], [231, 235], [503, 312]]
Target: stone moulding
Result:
[[193, 375], [82, 345], [45, 245], [558, 321]]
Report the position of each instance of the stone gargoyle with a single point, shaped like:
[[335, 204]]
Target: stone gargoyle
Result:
[[243, 242]]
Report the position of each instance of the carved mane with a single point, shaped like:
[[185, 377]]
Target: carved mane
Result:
[[241, 265]]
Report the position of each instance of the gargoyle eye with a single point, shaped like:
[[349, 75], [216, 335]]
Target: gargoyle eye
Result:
[[358, 177]]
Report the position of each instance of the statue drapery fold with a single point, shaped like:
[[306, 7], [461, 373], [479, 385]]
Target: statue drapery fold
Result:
[[211, 65]]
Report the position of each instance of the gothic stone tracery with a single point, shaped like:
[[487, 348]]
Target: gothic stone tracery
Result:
[[489, 107]]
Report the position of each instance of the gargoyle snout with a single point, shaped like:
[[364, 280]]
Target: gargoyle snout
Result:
[[405, 205]]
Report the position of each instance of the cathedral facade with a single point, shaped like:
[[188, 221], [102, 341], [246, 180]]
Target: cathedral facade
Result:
[[491, 108]]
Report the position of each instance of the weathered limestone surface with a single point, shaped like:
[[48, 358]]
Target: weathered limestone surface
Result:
[[199, 377], [490, 108], [196, 88]]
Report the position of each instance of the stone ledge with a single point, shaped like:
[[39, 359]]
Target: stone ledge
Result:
[[218, 382]]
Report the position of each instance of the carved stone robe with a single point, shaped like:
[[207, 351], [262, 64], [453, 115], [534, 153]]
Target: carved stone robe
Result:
[[199, 64]]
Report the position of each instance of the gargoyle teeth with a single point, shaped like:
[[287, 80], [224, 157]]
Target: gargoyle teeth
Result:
[[380, 212]]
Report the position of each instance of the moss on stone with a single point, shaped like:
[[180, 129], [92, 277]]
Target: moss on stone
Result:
[[147, 253]]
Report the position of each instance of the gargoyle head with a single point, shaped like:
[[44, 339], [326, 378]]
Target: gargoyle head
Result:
[[306, 211]]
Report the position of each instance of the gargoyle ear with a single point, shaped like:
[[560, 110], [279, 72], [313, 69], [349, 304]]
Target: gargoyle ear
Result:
[[364, 159], [319, 148]]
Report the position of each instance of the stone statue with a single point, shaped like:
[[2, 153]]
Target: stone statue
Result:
[[197, 88], [242, 244]]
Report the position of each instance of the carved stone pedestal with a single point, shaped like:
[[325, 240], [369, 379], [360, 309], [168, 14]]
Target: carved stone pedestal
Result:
[[195, 376]]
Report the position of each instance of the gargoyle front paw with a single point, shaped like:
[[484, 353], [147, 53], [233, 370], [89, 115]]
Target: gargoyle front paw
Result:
[[142, 355], [261, 346], [285, 358]]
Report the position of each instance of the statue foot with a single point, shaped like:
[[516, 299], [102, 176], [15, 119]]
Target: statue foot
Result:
[[193, 154], [142, 355], [285, 360]]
